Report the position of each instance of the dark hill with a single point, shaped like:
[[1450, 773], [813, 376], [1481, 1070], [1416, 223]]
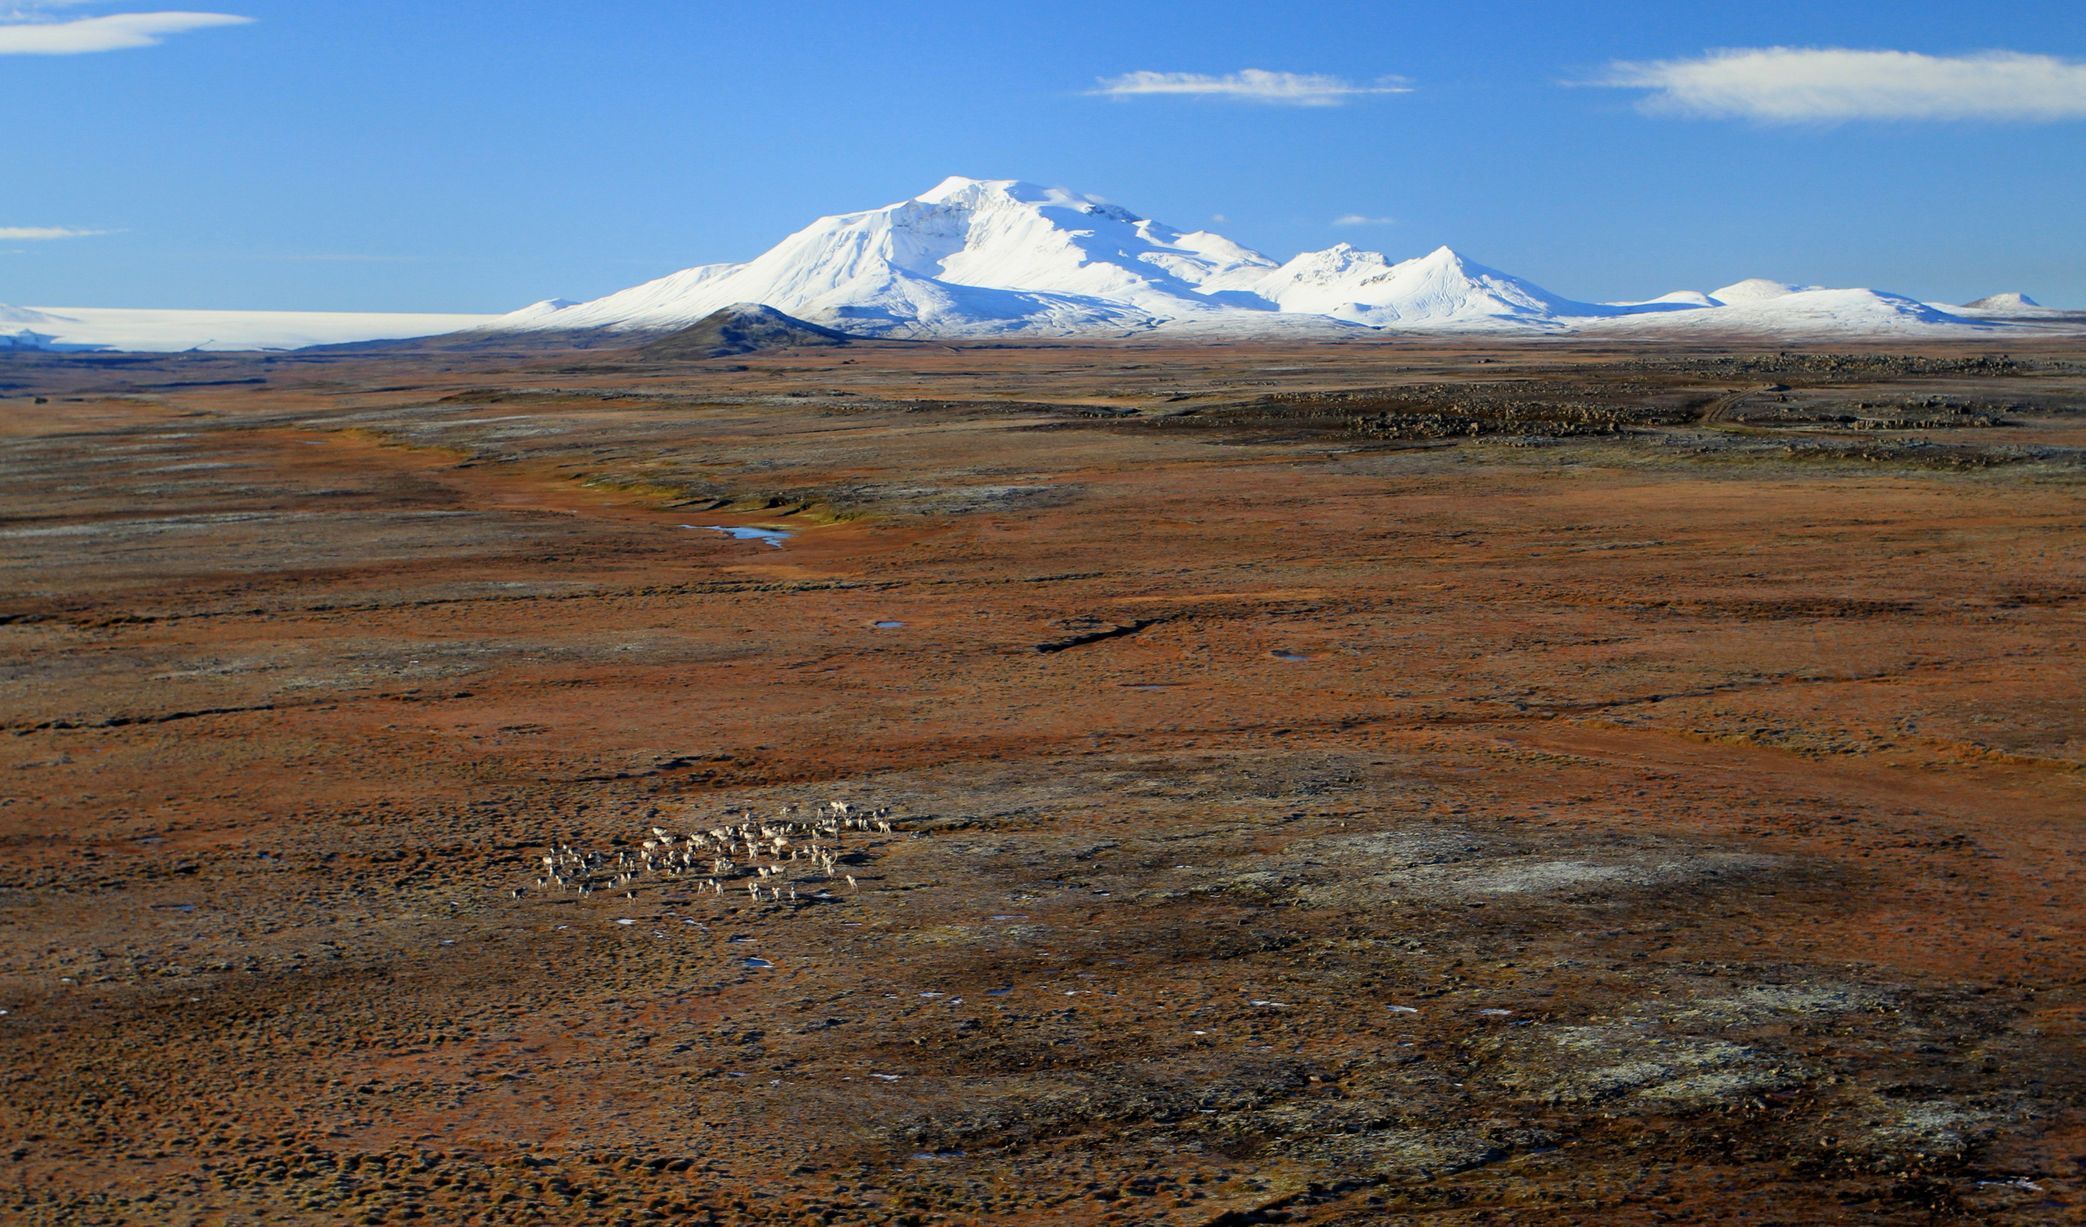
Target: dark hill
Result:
[[741, 328]]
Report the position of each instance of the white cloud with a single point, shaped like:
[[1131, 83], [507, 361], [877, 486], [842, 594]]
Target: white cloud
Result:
[[116, 32], [1804, 85], [1363, 219], [33, 234], [1250, 85]]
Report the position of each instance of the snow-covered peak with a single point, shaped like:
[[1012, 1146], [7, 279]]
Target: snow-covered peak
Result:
[[542, 310], [2012, 302], [1678, 298], [1339, 259], [967, 256], [956, 185], [1220, 250], [1756, 289], [1438, 290], [963, 189]]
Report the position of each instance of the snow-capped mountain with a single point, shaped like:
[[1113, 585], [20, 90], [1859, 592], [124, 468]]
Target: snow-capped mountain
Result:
[[998, 257], [989, 257]]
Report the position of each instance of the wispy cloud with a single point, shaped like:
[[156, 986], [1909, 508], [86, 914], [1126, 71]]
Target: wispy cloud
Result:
[[37, 234], [1823, 85], [1249, 85], [26, 32], [1363, 219]]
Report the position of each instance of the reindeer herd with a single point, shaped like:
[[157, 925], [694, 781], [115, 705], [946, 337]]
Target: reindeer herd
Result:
[[770, 858]]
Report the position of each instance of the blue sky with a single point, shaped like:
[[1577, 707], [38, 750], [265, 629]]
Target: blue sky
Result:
[[480, 154]]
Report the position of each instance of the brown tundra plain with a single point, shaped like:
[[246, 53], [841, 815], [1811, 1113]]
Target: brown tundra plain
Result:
[[1116, 783]]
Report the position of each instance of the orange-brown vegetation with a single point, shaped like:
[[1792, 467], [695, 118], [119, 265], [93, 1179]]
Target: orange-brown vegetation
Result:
[[1330, 784]]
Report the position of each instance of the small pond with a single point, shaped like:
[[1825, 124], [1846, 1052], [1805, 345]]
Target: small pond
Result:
[[774, 537]]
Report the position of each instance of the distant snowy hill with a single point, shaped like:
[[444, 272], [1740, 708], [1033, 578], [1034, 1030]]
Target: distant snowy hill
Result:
[[2018, 308], [1771, 307], [16, 332], [19, 329], [173, 330], [2014, 301]]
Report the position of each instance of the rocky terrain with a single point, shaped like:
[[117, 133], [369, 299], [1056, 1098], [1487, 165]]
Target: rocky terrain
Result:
[[1327, 783]]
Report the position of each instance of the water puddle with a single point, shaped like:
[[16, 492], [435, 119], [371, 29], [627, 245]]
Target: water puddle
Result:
[[1284, 654], [888, 625], [773, 536], [1150, 685], [758, 963]]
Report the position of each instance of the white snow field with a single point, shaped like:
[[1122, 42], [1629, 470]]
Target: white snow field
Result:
[[997, 257], [125, 328]]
